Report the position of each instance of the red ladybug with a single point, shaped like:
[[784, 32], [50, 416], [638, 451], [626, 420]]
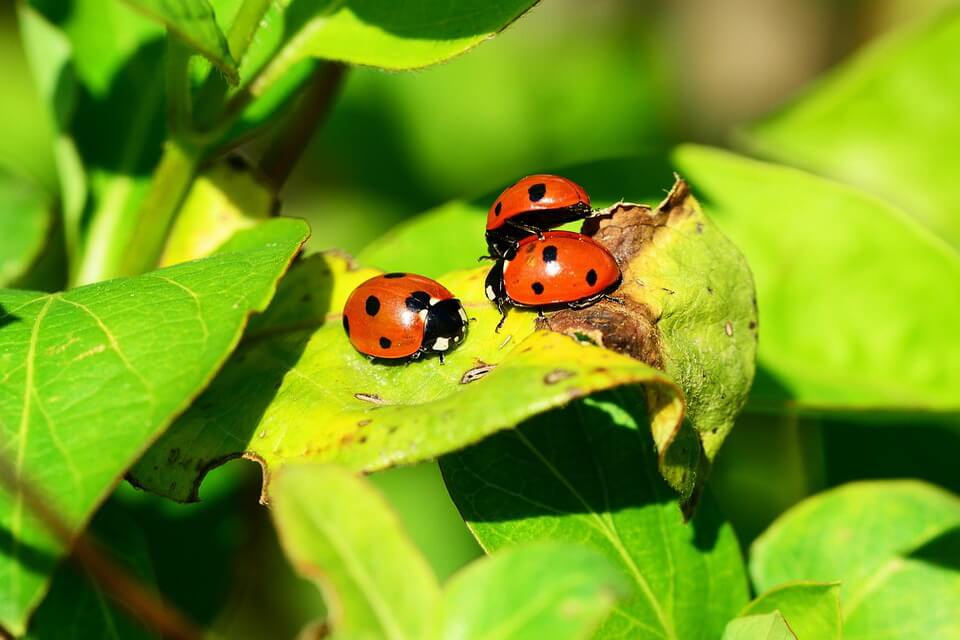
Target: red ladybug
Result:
[[401, 315], [530, 206], [560, 269]]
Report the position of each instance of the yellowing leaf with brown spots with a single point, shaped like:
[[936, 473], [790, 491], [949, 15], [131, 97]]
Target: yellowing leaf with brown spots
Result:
[[296, 389], [687, 306]]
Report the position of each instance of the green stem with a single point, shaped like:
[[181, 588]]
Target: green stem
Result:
[[128, 241], [171, 182], [178, 86], [245, 24]]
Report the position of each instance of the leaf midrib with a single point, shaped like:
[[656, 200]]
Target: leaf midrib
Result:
[[612, 536]]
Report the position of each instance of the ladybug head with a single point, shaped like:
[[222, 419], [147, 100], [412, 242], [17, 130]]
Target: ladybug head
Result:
[[445, 326]]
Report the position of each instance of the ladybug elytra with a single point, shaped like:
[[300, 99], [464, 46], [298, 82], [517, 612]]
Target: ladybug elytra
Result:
[[561, 268], [530, 206], [401, 315]]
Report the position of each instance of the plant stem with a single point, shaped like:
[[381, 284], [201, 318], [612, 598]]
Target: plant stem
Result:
[[171, 181], [295, 132], [245, 24], [149, 607], [179, 109]]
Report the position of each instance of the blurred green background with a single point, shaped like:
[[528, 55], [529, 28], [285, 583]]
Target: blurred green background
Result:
[[569, 82]]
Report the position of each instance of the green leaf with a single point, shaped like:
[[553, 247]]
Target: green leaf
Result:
[[586, 474], [25, 224], [225, 199], [340, 533], [194, 22], [369, 32], [91, 63], [544, 590], [893, 545], [884, 121], [75, 598], [91, 376], [769, 626], [858, 303], [812, 610], [456, 226], [296, 389]]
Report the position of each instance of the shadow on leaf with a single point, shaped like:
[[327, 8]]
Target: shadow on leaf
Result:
[[593, 457]]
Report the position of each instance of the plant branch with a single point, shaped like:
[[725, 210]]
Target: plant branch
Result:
[[171, 181], [179, 110], [295, 132], [147, 606]]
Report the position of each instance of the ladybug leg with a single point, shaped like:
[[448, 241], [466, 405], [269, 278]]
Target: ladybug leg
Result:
[[540, 313], [482, 258], [503, 315], [526, 227], [613, 299], [441, 357]]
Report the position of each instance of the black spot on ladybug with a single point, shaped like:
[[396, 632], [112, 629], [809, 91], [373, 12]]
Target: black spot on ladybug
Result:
[[496, 209], [395, 274], [373, 305], [346, 324], [537, 191], [591, 277], [418, 300], [550, 254], [537, 288], [385, 342]]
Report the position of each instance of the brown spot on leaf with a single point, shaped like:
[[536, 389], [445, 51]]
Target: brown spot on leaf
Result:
[[364, 423], [557, 375], [575, 392], [476, 373], [628, 328]]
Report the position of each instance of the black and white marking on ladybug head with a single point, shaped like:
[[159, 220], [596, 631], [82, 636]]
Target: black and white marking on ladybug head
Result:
[[446, 323]]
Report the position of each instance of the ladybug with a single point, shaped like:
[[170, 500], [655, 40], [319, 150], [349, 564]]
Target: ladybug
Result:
[[403, 315], [531, 206], [560, 269]]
